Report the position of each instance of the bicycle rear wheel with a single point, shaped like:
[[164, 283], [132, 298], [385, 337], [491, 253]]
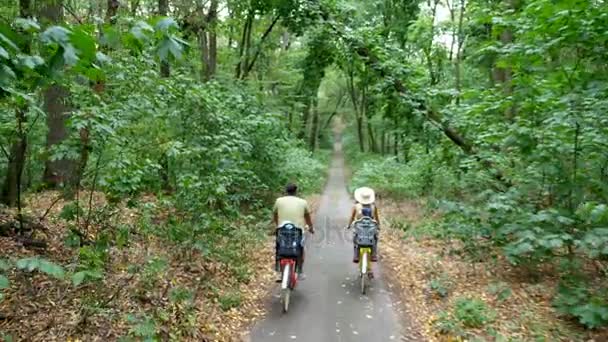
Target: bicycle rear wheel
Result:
[[286, 295], [285, 287], [364, 265]]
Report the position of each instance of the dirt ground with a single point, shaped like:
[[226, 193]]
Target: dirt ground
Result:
[[431, 277]]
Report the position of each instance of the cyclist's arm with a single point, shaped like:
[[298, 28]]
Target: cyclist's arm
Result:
[[275, 216], [376, 214], [353, 214]]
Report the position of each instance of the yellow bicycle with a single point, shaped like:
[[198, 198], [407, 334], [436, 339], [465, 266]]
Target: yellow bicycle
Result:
[[365, 273], [365, 237]]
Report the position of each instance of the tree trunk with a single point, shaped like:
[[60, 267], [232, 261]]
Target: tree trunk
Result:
[[457, 71], [134, 7], [314, 130], [505, 75], [112, 11], [305, 117], [244, 45], [61, 171], [212, 20], [163, 9], [202, 40], [25, 8], [11, 189], [373, 147], [396, 145], [285, 42], [355, 102], [433, 74]]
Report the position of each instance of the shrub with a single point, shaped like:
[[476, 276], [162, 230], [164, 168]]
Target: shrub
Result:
[[472, 312]]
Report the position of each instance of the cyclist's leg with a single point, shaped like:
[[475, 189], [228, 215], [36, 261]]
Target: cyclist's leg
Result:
[[276, 257], [375, 249], [300, 264], [355, 249]]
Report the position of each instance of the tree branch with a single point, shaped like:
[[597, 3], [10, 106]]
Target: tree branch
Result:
[[8, 157], [259, 47]]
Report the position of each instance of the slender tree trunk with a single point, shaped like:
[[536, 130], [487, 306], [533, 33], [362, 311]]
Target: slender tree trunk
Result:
[[112, 11], [134, 7], [373, 147], [163, 9], [396, 145], [11, 189], [451, 9], [230, 29], [314, 131], [461, 37], [285, 42], [383, 142], [355, 102], [505, 75], [434, 77], [244, 45], [305, 119], [212, 41], [202, 41], [360, 133]]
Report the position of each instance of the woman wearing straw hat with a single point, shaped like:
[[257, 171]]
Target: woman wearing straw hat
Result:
[[365, 207]]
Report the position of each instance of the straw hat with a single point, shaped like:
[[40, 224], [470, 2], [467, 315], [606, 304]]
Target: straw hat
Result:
[[365, 195]]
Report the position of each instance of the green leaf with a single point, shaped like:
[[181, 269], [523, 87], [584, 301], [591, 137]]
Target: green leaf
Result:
[[52, 269], [78, 277], [4, 283], [167, 46], [27, 24], [102, 58], [140, 30], [31, 62], [55, 34], [9, 43], [164, 24], [4, 265], [84, 44], [29, 264], [3, 53]]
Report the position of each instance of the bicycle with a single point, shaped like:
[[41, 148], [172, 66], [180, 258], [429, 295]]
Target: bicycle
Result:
[[289, 250], [365, 237]]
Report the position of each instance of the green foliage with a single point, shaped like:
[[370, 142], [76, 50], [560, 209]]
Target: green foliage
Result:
[[421, 176], [589, 307], [229, 300], [472, 312], [38, 264], [144, 327], [440, 286], [501, 290], [85, 276], [466, 313]]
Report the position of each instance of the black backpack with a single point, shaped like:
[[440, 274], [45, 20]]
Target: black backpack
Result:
[[367, 210]]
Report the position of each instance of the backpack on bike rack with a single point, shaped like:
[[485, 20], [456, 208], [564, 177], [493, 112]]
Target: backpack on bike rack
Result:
[[289, 238], [365, 231]]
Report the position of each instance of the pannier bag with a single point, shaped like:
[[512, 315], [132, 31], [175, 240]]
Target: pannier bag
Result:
[[289, 238], [365, 232]]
